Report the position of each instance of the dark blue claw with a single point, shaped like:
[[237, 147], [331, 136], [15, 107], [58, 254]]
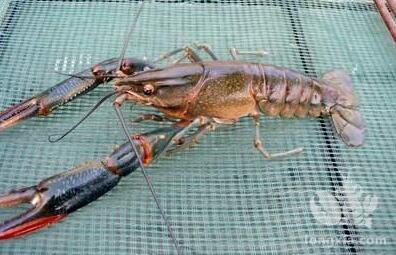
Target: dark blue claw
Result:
[[56, 197]]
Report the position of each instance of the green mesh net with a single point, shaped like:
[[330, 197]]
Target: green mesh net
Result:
[[221, 196]]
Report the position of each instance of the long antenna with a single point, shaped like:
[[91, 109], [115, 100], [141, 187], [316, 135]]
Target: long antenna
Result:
[[124, 127], [128, 37], [149, 184], [57, 137]]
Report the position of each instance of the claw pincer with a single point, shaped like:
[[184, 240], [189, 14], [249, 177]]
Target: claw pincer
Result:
[[57, 196]]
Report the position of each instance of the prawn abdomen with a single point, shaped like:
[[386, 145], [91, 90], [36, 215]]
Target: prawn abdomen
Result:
[[287, 93]]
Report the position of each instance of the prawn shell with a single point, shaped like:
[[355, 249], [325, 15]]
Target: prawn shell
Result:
[[302, 110], [271, 109], [316, 98], [288, 110]]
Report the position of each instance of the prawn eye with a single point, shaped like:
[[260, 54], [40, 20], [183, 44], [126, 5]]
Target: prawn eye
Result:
[[148, 89], [98, 70], [127, 66]]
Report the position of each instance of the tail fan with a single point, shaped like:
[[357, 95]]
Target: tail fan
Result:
[[347, 120]]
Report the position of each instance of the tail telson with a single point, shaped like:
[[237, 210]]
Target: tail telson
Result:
[[343, 104]]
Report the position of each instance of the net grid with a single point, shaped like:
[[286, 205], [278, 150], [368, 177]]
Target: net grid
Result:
[[235, 203]]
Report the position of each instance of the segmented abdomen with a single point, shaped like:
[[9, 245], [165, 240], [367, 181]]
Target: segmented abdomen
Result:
[[287, 93]]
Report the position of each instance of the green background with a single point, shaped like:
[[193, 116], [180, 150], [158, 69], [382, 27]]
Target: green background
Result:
[[221, 196]]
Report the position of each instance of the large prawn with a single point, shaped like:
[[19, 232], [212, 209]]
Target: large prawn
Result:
[[209, 93], [201, 94]]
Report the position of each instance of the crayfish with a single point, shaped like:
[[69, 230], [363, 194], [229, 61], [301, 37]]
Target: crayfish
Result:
[[200, 94]]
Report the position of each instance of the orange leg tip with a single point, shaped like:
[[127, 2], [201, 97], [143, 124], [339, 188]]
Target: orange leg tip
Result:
[[31, 226]]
